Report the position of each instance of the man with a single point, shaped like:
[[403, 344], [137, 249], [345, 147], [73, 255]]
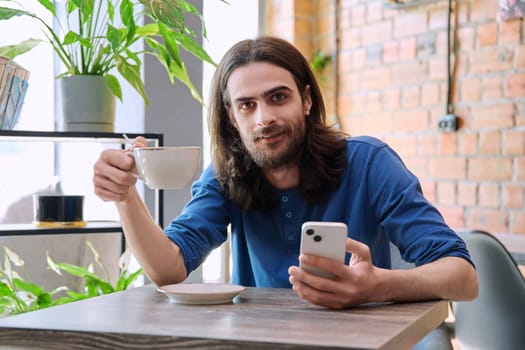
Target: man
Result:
[[275, 166]]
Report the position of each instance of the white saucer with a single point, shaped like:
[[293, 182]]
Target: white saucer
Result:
[[201, 293]]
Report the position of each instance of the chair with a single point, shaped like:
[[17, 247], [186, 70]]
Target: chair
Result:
[[496, 319]]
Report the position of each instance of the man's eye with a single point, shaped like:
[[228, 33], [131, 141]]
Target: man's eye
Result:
[[246, 106], [278, 98]]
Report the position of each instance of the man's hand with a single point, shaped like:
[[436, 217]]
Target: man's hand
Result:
[[353, 285], [450, 278], [113, 173]]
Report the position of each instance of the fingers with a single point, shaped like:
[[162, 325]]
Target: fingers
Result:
[[138, 142], [316, 290], [111, 176]]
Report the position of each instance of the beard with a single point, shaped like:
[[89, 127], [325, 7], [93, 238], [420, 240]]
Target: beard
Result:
[[280, 154]]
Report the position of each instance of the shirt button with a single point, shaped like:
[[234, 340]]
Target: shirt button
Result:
[[288, 214], [291, 237], [284, 199]]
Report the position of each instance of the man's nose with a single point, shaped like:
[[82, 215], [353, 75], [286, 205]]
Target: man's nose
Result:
[[265, 115]]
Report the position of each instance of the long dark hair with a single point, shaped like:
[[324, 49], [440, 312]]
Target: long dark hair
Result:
[[324, 156]]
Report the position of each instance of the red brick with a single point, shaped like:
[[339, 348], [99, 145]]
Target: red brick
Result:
[[520, 168], [516, 85], [391, 99], [351, 38], [378, 78], [438, 18], [377, 123], [448, 168], [407, 48], [465, 38], [491, 59], [374, 11], [520, 56], [447, 143], [489, 195], [490, 142], [358, 15], [518, 222], [470, 90], [410, 23], [487, 34], [446, 192], [513, 142], [454, 216], [491, 220], [510, 32], [467, 193], [483, 10], [373, 101], [492, 87], [468, 143], [427, 144], [490, 169], [358, 104], [413, 120], [407, 73], [430, 94], [493, 116], [391, 51], [513, 196], [411, 97], [429, 189], [376, 32], [437, 67]]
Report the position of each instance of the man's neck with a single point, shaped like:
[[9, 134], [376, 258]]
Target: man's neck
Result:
[[283, 178]]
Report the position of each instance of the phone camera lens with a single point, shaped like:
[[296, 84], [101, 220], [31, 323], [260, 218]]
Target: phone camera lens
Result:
[[310, 232], [318, 238]]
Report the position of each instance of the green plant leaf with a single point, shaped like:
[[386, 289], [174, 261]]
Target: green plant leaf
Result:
[[52, 265], [13, 257], [48, 4], [192, 47], [8, 12], [28, 287], [114, 85], [11, 51], [126, 14], [125, 281], [131, 73]]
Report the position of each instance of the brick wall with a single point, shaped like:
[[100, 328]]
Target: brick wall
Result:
[[392, 83]]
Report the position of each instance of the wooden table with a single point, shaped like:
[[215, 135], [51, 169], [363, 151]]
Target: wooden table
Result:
[[142, 318]]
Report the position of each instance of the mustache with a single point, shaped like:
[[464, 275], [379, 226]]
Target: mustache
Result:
[[269, 131]]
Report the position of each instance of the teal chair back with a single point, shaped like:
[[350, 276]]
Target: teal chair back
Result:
[[496, 319]]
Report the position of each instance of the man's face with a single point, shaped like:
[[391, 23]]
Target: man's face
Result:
[[269, 113]]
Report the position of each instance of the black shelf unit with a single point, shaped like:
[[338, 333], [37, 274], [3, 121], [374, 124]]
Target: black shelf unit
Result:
[[77, 136]]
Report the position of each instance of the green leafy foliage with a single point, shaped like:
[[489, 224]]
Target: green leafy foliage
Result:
[[99, 36], [18, 294]]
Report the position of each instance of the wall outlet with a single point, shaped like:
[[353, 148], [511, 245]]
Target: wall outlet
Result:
[[448, 123]]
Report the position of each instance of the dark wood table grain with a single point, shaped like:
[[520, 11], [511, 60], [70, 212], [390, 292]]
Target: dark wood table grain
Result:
[[259, 318]]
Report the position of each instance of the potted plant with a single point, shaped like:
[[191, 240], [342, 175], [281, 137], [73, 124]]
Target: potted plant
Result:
[[101, 39]]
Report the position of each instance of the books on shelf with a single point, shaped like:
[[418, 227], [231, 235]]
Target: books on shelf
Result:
[[13, 87]]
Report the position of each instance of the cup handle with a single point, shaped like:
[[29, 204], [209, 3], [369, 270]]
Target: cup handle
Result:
[[135, 175]]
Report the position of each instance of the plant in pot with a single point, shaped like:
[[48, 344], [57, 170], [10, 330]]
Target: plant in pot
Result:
[[97, 40]]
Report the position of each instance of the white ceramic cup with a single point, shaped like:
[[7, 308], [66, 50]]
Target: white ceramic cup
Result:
[[167, 167]]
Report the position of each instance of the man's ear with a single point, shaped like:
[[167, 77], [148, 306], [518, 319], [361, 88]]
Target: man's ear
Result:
[[307, 100]]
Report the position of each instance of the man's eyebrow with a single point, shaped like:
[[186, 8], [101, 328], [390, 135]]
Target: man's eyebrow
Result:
[[265, 94]]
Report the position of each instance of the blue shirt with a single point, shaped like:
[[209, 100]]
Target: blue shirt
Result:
[[379, 199]]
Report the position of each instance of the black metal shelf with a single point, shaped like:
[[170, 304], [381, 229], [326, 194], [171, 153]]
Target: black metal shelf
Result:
[[76, 136], [32, 229]]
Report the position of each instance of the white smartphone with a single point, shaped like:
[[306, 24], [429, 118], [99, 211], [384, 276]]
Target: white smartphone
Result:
[[326, 239]]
